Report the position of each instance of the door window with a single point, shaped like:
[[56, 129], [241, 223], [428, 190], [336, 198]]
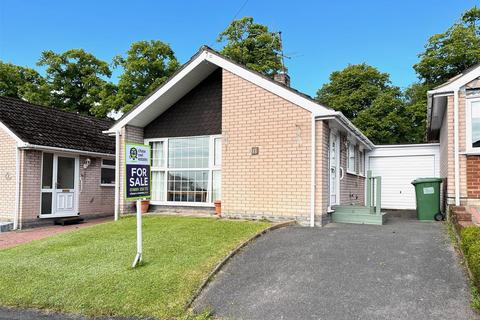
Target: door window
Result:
[[66, 173]]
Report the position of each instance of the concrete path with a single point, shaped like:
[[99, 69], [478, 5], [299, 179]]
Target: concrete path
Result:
[[403, 270], [14, 238]]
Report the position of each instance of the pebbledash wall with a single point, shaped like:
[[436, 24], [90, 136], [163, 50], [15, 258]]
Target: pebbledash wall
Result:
[[94, 200], [274, 184], [7, 176]]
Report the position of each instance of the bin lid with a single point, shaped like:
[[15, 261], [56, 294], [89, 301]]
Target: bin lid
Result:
[[426, 180]]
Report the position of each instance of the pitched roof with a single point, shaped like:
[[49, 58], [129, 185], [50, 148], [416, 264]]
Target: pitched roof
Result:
[[45, 126]]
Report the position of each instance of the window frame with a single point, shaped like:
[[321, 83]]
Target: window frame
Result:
[[350, 144], [107, 166], [165, 168], [361, 162], [468, 118]]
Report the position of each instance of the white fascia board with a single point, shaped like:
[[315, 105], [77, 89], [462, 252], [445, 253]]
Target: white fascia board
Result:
[[458, 83], [57, 149], [315, 108], [145, 104], [19, 141]]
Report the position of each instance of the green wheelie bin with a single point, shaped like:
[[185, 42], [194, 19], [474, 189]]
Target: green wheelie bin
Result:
[[427, 191]]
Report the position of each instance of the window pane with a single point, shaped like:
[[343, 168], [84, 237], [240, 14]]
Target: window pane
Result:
[[188, 186], [108, 162], [66, 173], [188, 152], [351, 158], [216, 185], [476, 124], [108, 176], [157, 154], [158, 185], [47, 172], [46, 203], [218, 151]]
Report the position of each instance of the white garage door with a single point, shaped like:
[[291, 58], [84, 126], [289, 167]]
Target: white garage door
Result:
[[398, 167]]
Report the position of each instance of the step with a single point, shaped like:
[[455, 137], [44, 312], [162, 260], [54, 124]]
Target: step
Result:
[[463, 216], [358, 218], [6, 226], [353, 209], [68, 221]]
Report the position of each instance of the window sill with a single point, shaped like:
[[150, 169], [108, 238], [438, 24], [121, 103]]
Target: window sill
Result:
[[351, 172], [106, 185], [471, 152]]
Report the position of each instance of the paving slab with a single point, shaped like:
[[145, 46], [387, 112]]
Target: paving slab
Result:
[[406, 269]]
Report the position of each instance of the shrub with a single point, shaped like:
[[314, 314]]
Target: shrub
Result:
[[469, 236], [473, 258]]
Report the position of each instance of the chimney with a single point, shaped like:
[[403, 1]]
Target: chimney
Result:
[[283, 78]]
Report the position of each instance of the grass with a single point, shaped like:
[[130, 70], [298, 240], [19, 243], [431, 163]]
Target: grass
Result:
[[89, 271]]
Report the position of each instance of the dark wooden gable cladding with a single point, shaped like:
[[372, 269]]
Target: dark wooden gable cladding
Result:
[[198, 113]]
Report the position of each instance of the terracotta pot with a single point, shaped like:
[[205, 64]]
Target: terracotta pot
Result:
[[145, 205], [218, 207]]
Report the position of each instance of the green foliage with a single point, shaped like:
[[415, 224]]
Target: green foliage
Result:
[[76, 80], [89, 271], [252, 45], [416, 112], [469, 236], [147, 65], [23, 83], [448, 54]]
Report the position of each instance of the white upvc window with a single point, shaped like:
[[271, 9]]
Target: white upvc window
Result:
[[361, 162], [473, 125], [186, 170], [351, 158], [107, 174]]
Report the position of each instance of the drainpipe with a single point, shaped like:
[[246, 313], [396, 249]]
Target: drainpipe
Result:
[[17, 189], [117, 174], [312, 173], [455, 139]]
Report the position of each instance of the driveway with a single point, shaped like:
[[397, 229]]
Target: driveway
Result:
[[405, 269]]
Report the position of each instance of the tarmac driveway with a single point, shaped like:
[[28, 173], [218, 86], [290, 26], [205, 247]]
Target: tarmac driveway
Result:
[[405, 269]]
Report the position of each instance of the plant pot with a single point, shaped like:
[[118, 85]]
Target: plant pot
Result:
[[145, 205], [218, 207]]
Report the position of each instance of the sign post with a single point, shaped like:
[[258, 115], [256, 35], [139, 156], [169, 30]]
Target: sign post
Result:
[[137, 182]]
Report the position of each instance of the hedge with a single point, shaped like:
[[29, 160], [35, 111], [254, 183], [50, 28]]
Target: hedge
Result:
[[470, 242]]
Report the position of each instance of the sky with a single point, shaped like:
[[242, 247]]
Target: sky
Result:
[[319, 36]]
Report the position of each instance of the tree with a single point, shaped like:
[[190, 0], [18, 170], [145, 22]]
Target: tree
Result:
[[253, 45], [448, 54], [23, 83], [353, 89], [416, 109], [147, 65], [76, 80]]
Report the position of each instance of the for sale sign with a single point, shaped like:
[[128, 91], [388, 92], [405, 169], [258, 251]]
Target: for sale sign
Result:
[[137, 171]]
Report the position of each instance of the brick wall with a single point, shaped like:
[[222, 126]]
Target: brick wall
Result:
[[473, 177], [93, 198], [31, 164], [322, 171], [276, 182], [7, 176], [352, 186], [134, 135]]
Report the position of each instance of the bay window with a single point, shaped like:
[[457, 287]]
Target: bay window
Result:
[[473, 125], [186, 171]]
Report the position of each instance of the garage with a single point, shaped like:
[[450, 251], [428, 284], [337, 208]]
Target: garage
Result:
[[399, 165]]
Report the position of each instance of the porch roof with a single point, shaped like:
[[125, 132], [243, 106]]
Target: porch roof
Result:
[[40, 126]]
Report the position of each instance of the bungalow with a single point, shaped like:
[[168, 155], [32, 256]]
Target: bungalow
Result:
[[54, 164], [454, 121], [219, 131]]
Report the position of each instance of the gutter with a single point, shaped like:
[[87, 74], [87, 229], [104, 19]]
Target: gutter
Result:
[[29, 146], [313, 172]]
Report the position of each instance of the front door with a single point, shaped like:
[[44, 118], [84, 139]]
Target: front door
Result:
[[59, 185], [334, 168]]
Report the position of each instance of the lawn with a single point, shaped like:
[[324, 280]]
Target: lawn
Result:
[[89, 271]]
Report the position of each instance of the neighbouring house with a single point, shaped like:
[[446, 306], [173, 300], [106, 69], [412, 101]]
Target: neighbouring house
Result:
[[454, 121], [219, 131], [54, 164]]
